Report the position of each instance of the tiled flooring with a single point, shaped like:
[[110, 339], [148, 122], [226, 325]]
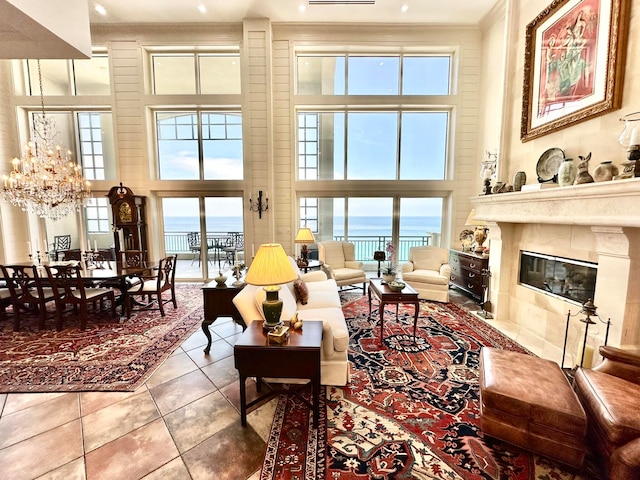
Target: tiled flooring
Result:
[[183, 423]]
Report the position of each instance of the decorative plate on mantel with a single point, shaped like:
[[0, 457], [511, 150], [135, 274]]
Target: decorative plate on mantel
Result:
[[548, 165]]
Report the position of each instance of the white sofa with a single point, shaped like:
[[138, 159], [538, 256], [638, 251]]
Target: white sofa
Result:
[[323, 304]]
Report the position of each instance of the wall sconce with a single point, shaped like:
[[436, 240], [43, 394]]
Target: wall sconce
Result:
[[585, 351], [259, 205]]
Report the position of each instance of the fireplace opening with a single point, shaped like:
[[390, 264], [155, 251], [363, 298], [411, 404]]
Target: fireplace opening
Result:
[[572, 279]]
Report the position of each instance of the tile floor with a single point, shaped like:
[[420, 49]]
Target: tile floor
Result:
[[183, 423]]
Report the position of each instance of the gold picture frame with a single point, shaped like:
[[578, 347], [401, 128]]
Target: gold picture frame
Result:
[[574, 64]]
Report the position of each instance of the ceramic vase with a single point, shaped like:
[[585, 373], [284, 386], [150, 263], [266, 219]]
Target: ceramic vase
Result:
[[605, 172], [567, 172], [388, 278], [220, 279], [519, 179], [583, 175]]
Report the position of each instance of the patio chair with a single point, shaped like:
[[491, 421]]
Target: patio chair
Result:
[[61, 243], [153, 288], [69, 289], [27, 292], [195, 246], [235, 248]]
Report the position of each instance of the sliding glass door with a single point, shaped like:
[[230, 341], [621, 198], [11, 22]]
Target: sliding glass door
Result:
[[206, 233]]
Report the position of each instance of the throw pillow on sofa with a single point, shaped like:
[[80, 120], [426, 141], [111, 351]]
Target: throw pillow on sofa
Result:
[[302, 291]]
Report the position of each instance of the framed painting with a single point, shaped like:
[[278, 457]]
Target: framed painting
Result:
[[574, 64]]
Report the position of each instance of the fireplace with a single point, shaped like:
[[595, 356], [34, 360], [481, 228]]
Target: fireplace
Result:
[[592, 223], [571, 279]]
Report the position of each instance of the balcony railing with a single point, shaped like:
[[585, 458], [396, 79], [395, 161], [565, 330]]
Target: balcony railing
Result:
[[176, 242]]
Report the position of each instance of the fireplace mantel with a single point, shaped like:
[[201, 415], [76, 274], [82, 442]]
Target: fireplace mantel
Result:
[[610, 203], [599, 220]]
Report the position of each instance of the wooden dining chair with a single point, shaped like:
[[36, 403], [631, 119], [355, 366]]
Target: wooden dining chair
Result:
[[153, 288], [27, 292], [69, 289]]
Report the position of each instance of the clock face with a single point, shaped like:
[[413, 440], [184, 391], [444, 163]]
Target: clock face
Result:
[[124, 213]]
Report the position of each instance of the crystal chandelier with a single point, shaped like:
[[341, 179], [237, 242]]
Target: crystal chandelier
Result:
[[45, 180]]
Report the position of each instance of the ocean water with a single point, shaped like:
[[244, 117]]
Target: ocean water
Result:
[[358, 226]]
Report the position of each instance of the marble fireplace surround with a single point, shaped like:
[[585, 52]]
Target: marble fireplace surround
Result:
[[597, 222]]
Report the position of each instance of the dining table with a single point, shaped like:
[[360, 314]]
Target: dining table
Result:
[[118, 275]]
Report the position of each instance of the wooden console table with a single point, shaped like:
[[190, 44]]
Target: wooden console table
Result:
[[218, 303]]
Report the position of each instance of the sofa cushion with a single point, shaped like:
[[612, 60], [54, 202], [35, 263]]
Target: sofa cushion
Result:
[[302, 291], [289, 305], [322, 299], [334, 326], [427, 259]]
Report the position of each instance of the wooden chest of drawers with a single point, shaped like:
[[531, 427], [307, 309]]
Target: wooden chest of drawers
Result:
[[466, 272]]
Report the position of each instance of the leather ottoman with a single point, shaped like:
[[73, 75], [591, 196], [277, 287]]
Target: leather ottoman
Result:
[[528, 401]]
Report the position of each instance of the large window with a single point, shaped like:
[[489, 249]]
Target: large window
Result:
[[190, 73], [97, 215], [372, 145], [369, 222], [89, 136], [352, 134], [70, 77], [199, 145], [373, 75], [206, 233]]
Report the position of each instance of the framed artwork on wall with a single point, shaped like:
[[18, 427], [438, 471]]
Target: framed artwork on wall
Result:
[[574, 64]]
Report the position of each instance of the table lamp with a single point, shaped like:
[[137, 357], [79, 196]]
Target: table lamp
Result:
[[271, 268], [304, 236], [480, 234]]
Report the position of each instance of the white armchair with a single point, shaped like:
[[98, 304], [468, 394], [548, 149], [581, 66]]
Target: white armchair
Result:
[[339, 262], [428, 271]]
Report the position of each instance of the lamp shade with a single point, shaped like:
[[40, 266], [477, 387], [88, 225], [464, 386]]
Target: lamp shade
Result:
[[305, 235], [270, 266], [473, 221]]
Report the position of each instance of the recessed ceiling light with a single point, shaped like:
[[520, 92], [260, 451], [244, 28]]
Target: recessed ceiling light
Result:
[[202, 8], [404, 8], [302, 7], [100, 9]]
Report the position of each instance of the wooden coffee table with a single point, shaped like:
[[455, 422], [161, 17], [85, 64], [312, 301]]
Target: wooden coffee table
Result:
[[385, 296], [299, 357]]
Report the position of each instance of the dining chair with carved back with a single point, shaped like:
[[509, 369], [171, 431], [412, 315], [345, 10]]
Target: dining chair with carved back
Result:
[[153, 287], [69, 289], [27, 292]]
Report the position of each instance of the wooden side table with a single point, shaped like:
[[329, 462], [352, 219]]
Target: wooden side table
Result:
[[218, 303], [299, 357], [385, 295]]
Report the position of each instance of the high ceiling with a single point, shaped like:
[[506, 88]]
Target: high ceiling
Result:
[[382, 11]]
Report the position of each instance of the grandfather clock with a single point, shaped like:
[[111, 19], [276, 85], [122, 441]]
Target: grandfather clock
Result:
[[129, 224]]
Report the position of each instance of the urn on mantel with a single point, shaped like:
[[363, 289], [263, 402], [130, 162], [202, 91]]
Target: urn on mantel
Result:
[[605, 171]]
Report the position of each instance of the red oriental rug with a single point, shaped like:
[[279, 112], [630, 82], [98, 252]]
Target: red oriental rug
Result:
[[411, 410], [107, 356]]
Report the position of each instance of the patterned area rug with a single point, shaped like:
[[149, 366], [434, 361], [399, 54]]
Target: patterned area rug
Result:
[[107, 356], [411, 409]]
